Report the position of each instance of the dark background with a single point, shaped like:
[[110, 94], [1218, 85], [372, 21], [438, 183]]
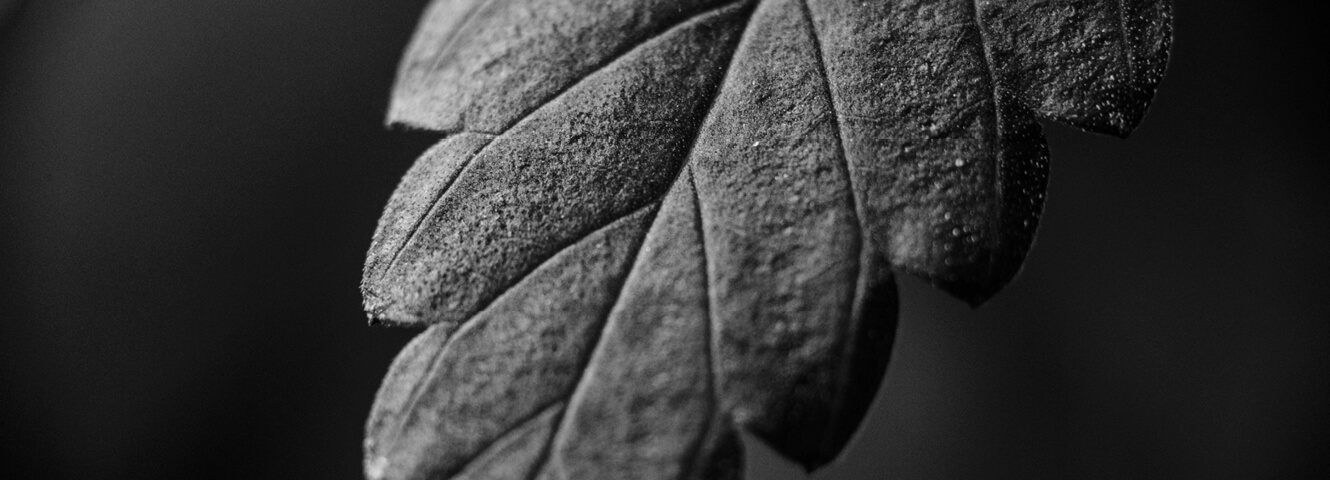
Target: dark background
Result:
[[187, 190]]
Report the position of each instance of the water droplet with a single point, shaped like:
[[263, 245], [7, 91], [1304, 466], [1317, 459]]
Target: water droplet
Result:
[[931, 128]]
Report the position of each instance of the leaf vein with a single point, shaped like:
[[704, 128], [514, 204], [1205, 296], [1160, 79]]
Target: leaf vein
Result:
[[1126, 41], [484, 449], [457, 32], [857, 213], [558, 436], [995, 227], [552, 98], [436, 360], [615, 57], [712, 337], [590, 360], [434, 204]]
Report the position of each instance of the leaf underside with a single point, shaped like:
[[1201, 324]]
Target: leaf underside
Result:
[[653, 223]]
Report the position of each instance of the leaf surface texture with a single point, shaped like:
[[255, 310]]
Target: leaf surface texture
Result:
[[653, 223]]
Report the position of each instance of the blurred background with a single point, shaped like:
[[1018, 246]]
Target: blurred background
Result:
[[187, 190]]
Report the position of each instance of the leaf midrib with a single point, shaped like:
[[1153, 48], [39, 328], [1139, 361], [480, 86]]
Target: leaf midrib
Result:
[[852, 320], [576, 398], [558, 436], [553, 97]]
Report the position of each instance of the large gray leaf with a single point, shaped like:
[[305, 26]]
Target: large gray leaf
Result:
[[654, 222]]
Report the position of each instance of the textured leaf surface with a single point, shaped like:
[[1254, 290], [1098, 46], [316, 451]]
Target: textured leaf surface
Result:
[[653, 223]]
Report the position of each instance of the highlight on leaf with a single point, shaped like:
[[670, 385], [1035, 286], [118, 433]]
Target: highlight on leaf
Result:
[[651, 224]]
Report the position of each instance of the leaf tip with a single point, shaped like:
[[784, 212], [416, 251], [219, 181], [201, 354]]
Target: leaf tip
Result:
[[815, 463], [1120, 130], [375, 467], [372, 303], [1118, 122], [380, 319], [974, 294], [973, 283], [810, 467], [379, 312], [972, 280]]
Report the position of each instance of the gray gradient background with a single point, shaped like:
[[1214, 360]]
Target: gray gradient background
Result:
[[187, 190]]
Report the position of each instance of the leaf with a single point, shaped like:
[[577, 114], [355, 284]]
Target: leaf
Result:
[[653, 223]]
